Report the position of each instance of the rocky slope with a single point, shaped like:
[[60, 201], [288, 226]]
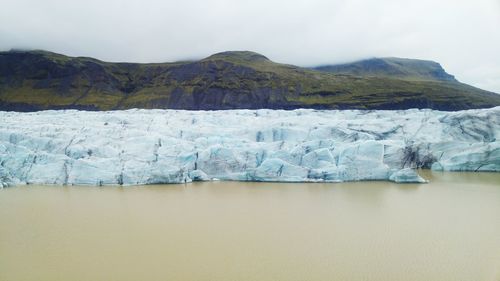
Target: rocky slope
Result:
[[37, 80], [174, 146]]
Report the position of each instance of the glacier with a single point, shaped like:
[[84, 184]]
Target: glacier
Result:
[[138, 146]]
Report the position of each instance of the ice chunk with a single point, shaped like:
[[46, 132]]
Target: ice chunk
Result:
[[406, 175], [278, 170]]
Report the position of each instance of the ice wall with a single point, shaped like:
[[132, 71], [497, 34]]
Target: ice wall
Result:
[[174, 146]]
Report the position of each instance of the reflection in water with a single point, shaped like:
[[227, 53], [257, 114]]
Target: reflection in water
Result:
[[448, 229]]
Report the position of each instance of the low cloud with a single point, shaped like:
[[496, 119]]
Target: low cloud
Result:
[[462, 35]]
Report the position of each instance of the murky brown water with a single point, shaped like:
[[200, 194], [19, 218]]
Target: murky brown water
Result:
[[446, 230]]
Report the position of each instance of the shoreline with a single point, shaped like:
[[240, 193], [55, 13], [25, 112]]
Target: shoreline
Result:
[[424, 173]]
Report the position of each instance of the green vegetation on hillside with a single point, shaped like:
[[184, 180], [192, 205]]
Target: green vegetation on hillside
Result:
[[35, 80]]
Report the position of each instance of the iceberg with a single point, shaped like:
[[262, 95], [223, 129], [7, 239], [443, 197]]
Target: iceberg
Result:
[[138, 146]]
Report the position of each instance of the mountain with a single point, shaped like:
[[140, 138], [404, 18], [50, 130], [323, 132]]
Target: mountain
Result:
[[392, 67], [37, 80]]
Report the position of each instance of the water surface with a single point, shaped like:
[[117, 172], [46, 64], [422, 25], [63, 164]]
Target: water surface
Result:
[[446, 230]]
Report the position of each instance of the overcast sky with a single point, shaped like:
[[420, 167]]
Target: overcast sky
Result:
[[463, 35]]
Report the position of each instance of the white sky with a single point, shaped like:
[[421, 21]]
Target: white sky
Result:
[[463, 35]]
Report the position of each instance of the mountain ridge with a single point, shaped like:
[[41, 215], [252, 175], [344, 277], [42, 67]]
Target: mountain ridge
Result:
[[38, 80], [392, 66]]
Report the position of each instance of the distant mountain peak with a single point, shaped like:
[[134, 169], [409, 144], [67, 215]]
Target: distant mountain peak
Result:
[[394, 67], [238, 55]]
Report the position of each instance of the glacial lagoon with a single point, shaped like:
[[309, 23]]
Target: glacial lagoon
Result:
[[447, 229]]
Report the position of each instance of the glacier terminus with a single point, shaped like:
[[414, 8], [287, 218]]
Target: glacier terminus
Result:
[[137, 146]]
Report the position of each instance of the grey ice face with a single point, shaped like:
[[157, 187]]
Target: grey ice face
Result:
[[462, 35]]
